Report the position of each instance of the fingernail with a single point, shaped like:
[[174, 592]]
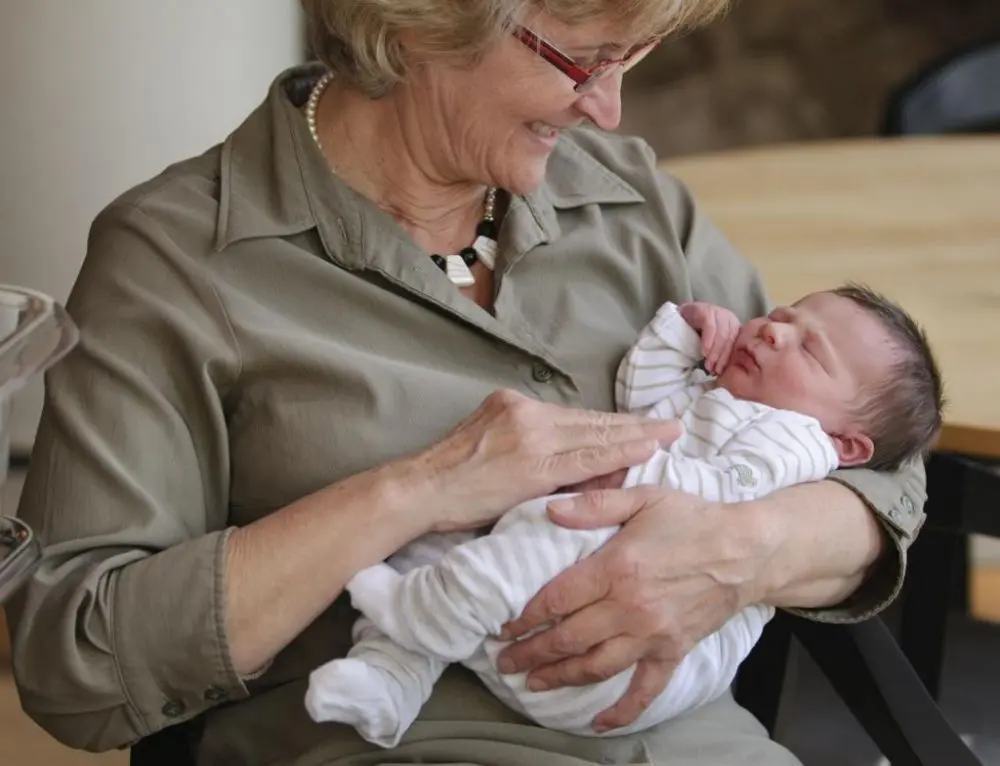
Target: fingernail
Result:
[[537, 685], [506, 666], [600, 728], [562, 506]]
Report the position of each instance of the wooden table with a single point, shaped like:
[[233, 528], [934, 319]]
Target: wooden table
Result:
[[918, 219]]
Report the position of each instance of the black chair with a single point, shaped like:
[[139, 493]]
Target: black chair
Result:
[[863, 663], [959, 93], [866, 667], [963, 498], [168, 747]]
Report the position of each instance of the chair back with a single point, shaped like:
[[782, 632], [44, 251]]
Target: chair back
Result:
[[957, 94]]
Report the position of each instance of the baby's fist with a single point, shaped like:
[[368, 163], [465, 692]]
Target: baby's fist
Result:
[[718, 328]]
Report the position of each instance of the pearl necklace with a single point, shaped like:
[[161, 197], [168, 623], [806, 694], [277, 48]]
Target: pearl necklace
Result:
[[483, 249]]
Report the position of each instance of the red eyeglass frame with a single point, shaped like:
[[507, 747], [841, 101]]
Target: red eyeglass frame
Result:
[[584, 77]]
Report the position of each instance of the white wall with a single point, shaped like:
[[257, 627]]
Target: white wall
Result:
[[96, 96]]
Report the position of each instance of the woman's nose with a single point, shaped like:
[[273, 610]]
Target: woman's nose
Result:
[[602, 104]]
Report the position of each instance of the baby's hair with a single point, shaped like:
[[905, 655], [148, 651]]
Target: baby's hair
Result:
[[902, 413]]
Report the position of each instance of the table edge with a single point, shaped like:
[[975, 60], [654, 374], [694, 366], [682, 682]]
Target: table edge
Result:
[[825, 146], [973, 441]]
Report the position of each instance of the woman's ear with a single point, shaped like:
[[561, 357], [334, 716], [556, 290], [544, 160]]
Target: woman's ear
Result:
[[853, 449]]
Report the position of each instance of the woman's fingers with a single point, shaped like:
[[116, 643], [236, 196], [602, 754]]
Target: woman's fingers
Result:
[[571, 590], [569, 427], [598, 664], [603, 508], [546, 654], [663, 431], [584, 454], [648, 681], [513, 448], [571, 468]]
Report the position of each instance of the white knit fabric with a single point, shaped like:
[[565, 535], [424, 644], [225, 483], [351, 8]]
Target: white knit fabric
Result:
[[442, 598]]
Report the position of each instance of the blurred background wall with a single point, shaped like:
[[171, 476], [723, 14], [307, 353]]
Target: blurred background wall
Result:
[[791, 70], [100, 95]]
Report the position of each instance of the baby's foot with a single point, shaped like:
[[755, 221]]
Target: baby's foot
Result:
[[373, 593], [361, 695]]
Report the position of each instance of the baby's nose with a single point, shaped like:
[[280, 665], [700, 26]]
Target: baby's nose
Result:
[[775, 334], [769, 334]]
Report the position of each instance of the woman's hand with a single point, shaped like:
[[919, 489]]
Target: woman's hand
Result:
[[513, 448], [675, 573], [718, 328]]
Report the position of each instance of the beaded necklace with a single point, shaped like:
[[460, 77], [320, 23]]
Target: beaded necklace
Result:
[[483, 249]]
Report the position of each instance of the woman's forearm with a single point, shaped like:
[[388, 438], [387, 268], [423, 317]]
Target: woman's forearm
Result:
[[283, 570], [822, 541]]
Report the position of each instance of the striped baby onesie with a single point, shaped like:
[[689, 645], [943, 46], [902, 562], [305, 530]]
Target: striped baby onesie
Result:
[[442, 598]]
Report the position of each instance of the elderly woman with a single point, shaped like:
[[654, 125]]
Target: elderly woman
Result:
[[390, 303]]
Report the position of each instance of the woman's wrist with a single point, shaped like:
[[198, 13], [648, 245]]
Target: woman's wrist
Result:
[[754, 535], [398, 495], [313, 546], [814, 544]]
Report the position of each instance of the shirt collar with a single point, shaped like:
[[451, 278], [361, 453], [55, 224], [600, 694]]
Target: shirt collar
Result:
[[275, 181]]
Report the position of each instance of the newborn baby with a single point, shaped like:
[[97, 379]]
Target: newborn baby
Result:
[[841, 378]]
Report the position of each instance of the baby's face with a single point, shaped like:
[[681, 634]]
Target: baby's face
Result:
[[817, 357]]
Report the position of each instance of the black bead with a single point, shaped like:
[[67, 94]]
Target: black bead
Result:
[[487, 229], [469, 255], [440, 262]]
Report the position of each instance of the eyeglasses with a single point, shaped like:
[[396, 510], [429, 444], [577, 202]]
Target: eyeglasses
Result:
[[584, 77]]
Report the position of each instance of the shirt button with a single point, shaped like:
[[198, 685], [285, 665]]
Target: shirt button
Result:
[[173, 709], [214, 694], [542, 373]]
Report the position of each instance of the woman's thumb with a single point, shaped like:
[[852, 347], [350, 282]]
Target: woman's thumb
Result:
[[598, 508]]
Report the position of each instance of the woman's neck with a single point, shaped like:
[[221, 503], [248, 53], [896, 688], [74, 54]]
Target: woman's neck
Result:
[[378, 149]]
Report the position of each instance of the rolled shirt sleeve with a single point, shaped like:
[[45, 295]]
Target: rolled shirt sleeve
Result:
[[719, 274], [121, 631]]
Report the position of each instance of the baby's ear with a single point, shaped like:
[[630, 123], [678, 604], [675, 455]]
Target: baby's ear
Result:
[[853, 448]]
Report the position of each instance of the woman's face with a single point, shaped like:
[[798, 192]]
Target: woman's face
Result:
[[498, 122]]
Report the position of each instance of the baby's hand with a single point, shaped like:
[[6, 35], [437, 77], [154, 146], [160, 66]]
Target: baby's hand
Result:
[[718, 328]]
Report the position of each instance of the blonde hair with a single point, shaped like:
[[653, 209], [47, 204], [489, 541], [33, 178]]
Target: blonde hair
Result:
[[359, 40]]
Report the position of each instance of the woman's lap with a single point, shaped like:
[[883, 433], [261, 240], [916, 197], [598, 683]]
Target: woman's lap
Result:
[[463, 724], [719, 734]]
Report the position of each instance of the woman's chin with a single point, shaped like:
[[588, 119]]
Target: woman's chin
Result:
[[526, 177]]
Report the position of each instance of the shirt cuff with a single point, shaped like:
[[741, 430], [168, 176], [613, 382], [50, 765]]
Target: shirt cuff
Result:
[[175, 662], [899, 509]]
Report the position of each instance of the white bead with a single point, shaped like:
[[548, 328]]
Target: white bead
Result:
[[458, 272], [486, 249]]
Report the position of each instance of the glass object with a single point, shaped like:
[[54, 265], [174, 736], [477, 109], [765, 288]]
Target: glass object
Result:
[[35, 333]]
